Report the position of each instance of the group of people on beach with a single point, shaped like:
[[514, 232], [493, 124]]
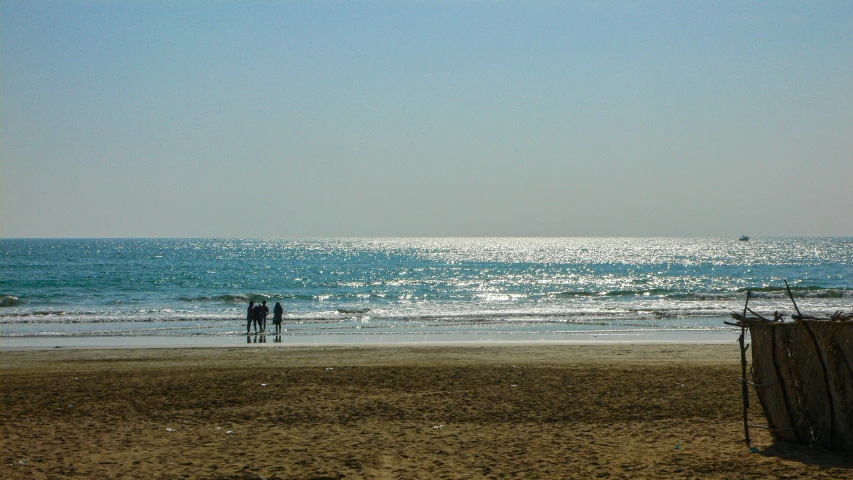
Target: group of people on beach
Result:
[[257, 317]]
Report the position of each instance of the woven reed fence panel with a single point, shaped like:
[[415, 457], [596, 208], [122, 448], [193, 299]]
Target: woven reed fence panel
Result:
[[803, 374]]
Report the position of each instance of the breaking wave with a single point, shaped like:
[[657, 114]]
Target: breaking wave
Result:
[[9, 301]]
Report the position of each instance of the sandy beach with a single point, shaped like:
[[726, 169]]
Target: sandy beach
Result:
[[493, 411]]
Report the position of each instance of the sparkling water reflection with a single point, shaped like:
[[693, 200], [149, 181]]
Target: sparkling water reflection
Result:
[[393, 286]]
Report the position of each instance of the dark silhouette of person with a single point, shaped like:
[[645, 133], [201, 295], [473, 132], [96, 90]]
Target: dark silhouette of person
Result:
[[277, 312], [250, 316], [264, 313], [257, 317]]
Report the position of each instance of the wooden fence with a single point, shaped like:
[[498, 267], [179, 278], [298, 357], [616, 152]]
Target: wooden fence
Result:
[[803, 376]]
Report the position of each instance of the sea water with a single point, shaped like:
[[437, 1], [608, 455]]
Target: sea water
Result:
[[375, 290]]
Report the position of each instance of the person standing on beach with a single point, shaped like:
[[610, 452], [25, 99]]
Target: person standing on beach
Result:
[[250, 316], [257, 314], [277, 312], [264, 313]]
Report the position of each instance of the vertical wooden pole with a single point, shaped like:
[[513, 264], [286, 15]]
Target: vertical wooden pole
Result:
[[744, 389]]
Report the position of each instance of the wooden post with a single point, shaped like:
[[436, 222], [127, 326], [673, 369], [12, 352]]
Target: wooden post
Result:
[[744, 388], [743, 384]]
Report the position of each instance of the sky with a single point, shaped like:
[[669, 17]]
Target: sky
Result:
[[251, 119]]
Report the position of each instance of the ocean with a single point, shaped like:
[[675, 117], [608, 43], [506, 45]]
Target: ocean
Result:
[[377, 290]]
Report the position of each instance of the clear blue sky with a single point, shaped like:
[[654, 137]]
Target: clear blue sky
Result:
[[290, 119]]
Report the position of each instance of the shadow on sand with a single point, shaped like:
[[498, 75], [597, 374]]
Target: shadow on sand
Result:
[[809, 455]]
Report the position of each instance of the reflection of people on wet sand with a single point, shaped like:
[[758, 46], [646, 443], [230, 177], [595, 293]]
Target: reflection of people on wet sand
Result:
[[277, 312], [250, 316]]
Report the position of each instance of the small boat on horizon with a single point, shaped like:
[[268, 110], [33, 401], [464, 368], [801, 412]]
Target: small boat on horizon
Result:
[[744, 238]]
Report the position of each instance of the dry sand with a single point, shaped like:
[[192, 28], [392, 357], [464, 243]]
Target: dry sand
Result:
[[520, 411]]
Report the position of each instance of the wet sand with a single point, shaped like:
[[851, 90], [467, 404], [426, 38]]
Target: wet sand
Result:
[[493, 411]]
